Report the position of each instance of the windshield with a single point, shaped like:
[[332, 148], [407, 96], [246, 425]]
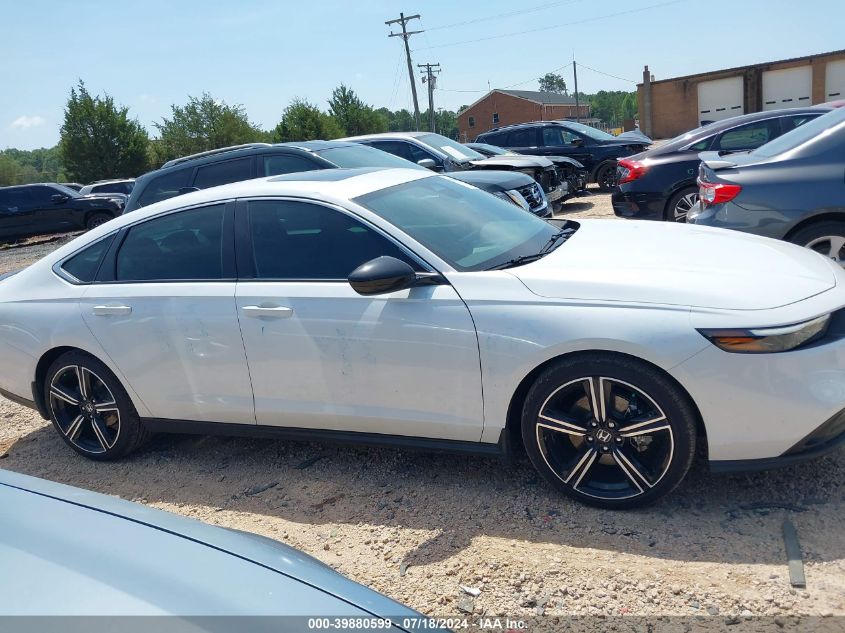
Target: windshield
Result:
[[452, 149], [465, 226], [355, 155], [810, 132], [70, 193], [592, 132]]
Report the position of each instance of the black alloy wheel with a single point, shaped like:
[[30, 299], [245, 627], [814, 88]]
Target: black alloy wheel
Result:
[[619, 436]]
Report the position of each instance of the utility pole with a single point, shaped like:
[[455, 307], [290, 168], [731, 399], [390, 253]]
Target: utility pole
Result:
[[405, 34], [577, 107], [431, 80]]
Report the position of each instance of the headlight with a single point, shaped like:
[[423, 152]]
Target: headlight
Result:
[[768, 340], [515, 197]]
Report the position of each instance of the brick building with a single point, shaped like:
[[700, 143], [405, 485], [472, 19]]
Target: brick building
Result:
[[671, 106], [506, 107]]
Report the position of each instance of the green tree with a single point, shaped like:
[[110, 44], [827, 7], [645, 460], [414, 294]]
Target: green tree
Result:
[[353, 115], [202, 124], [19, 166], [99, 140], [303, 121], [552, 82]]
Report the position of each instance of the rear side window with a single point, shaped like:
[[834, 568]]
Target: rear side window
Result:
[[286, 164], [397, 148], [164, 187], [223, 173], [84, 265], [187, 245], [113, 187], [520, 138]]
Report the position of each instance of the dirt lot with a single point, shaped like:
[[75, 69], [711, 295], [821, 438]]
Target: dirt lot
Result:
[[419, 526]]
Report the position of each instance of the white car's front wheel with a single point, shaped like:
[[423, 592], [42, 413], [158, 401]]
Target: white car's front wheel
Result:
[[609, 430]]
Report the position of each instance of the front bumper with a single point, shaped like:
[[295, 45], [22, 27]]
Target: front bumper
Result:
[[638, 205], [557, 193]]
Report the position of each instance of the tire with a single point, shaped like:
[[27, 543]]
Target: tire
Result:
[[606, 176], [826, 237], [589, 457], [96, 219], [99, 422], [680, 204]]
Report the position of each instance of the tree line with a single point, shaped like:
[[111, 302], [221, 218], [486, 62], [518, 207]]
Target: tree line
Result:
[[99, 139]]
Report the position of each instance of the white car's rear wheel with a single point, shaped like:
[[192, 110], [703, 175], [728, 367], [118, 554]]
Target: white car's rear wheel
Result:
[[609, 430], [90, 408]]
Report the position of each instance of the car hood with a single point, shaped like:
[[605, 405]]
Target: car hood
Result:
[[676, 264], [515, 161], [635, 136], [146, 561], [566, 159], [492, 179]]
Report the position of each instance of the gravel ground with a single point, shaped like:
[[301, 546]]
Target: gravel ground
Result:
[[418, 527]]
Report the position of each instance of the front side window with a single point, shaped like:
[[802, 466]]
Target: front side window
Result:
[[187, 245], [42, 197], [223, 173], [286, 164], [164, 187], [397, 148], [463, 225], [748, 136], [300, 240], [84, 265]]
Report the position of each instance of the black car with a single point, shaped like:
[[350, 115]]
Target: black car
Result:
[[659, 184], [792, 188], [571, 171], [51, 208], [598, 151], [255, 160]]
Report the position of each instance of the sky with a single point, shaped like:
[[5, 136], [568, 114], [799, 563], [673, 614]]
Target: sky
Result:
[[263, 53]]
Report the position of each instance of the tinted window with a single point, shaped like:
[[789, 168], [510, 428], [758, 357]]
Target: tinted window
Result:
[[748, 136], [113, 187], [286, 164], [701, 146], [808, 134], [223, 173], [297, 240], [558, 136], [792, 122], [42, 197], [14, 198], [182, 245], [354, 155], [397, 148], [85, 263], [164, 186], [520, 138]]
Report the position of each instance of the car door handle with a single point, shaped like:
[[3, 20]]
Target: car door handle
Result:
[[111, 310], [279, 312]]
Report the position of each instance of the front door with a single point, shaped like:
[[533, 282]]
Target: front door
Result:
[[164, 312], [322, 356]]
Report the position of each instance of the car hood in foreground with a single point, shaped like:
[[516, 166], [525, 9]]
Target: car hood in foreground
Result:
[[77, 552], [676, 264]]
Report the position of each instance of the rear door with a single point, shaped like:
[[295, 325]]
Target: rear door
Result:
[[164, 311], [15, 212], [523, 140]]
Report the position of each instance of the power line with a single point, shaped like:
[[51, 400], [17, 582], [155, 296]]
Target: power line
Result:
[[503, 15], [519, 83], [431, 70], [556, 26], [606, 74]]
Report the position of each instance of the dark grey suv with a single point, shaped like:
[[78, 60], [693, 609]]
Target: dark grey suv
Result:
[[792, 188]]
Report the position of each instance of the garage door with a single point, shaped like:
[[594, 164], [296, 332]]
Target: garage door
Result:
[[834, 80], [789, 88], [719, 99]]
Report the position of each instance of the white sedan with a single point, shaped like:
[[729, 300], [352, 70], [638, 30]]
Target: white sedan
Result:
[[403, 308]]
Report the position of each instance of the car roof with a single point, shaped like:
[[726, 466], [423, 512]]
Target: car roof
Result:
[[317, 145], [109, 181], [385, 135]]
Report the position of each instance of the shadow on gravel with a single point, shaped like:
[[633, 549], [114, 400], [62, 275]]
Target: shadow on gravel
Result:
[[724, 519]]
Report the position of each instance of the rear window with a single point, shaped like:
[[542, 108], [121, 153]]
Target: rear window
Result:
[[84, 265], [165, 186]]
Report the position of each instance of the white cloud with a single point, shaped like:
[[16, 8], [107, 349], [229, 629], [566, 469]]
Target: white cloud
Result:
[[25, 122]]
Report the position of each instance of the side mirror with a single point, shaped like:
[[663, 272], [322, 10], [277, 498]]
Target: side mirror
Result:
[[428, 163], [184, 190], [58, 198], [382, 275]]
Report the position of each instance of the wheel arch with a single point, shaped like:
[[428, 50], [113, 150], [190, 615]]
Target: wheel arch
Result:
[[602, 163], [513, 420], [675, 190], [92, 212], [822, 216]]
